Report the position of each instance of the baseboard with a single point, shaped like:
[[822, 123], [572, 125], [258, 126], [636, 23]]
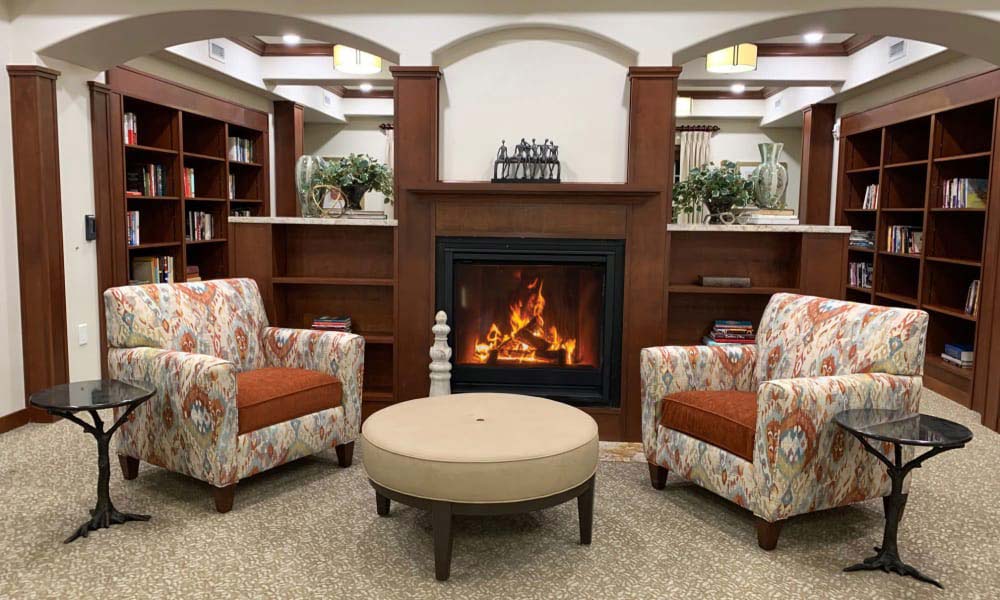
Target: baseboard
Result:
[[14, 420]]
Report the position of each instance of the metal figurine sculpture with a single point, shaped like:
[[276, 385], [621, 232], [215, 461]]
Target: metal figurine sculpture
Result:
[[530, 162], [440, 357]]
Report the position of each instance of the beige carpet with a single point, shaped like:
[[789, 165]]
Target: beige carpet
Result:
[[310, 530]]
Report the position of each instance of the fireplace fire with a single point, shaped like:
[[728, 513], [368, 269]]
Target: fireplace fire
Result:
[[538, 317]]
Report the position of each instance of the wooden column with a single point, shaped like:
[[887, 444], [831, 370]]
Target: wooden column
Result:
[[289, 130], [817, 163], [39, 228], [653, 96], [986, 377], [416, 157]]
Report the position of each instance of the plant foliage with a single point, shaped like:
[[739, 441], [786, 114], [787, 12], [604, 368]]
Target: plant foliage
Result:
[[714, 187]]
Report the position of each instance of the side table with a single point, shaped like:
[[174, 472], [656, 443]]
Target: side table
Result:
[[91, 396], [899, 428]]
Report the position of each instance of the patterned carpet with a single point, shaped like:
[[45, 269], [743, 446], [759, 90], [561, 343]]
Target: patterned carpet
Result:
[[309, 529]]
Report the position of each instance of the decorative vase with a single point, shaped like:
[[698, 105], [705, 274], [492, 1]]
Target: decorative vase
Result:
[[717, 207], [306, 170], [770, 178], [355, 195]]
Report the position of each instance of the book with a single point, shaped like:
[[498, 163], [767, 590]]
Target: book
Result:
[[962, 352], [726, 331], [131, 125], [132, 227], [232, 186], [860, 274], [200, 226], [904, 239], [152, 269], [964, 192], [954, 361], [241, 149], [870, 199], [189, 182], [342, 324], [972, 298], [862, 238]]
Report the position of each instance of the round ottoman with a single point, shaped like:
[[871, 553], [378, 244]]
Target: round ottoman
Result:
[[480, 454]]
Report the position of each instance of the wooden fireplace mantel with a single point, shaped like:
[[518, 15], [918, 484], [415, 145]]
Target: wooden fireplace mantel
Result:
[[624, 193]]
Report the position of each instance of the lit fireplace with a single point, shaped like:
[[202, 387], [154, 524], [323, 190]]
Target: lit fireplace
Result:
[[535, 316]]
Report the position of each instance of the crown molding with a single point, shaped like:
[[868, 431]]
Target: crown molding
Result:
[[721, 94]]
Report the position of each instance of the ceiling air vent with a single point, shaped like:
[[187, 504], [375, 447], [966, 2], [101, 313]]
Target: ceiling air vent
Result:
[[216, 51], [327, 100], [897, 50]]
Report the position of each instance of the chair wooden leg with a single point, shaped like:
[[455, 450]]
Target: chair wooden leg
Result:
[[345, 454], [658, 476], [382, 504], [441, 524], [768, 532], [224, 497], [130, 466]]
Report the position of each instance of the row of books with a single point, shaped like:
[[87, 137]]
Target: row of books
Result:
[[870, 200], [131, 123], [132, 227], [240, 212], [192, 273], [965, 192], [332, 324], [960, 355], [904, 239], [725, 331], [861, 238], [860, 274], [152, 269], [200, 225], [146, 180], [189, 182], [241, 149], [972, 298]]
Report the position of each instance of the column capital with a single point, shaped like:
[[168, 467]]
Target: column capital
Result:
[[428, 72], [654, 72]]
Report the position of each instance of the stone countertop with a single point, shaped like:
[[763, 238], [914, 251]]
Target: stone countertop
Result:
[[339, 222], [844, 229]]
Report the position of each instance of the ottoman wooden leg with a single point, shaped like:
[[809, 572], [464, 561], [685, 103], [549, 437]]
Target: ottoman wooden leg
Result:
[[585, 509], [441, 524], [381, 504]]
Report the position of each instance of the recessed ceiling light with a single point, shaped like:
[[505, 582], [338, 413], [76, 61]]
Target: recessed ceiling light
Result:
[[813, 37], [291, 39], [737, 88], [365, 87]]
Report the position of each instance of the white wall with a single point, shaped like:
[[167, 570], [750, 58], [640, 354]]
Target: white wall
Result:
[[535, 89], [11, 366], [360, 135], [737, 141]]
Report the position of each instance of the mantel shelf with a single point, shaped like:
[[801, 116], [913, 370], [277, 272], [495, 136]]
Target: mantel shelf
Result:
[[568, 192]]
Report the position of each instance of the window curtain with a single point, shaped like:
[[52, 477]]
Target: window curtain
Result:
[[696, 151]]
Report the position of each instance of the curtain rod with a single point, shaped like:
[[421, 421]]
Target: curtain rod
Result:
[[710, 128], [385, 126]]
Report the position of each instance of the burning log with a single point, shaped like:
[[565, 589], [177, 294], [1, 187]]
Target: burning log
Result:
[[525, 335]]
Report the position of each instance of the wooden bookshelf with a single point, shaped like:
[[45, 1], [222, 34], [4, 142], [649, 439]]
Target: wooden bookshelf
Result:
[[329, 269], [179, 128], [910, 149]]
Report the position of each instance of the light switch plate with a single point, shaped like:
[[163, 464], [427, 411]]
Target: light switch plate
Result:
[[81, 334]]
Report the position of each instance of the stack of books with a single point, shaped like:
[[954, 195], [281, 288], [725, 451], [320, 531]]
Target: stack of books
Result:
[[132, 227], [904, 239], [972, 298], [152, 269], [771, 216], [861, 238], [191, 273], [188, 182], [200, 225], [240, 149], [860, 274], [870, 201], [131, 128], [232, 186], [965, 192], [332, 324], [146, 180], [960, 355], [730, 332], [364, 214]]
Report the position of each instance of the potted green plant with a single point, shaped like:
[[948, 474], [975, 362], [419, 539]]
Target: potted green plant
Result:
[[720, 189], [356, 175]]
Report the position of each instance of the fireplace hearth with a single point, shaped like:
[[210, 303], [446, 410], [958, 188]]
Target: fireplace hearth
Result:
[[534, 316]]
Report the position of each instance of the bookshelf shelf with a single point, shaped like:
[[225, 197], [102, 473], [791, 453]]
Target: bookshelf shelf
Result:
[[203, 157], [756, 290], [947, 310], [137, 148], [211, 241], [958, 157], [859, 289], [154, 245], [900, 298], [870, 211], [200, 199], [955, 261], [971, 211], [946, 366], [861, 249], [246, 201], [910, 163], [153, 198], [873, 169], [903, 210], [243, 163], [900, 254], [342, 281]]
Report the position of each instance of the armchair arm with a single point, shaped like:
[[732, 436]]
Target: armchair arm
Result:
[[804, 461], [670, 369], [190, 424], [339, 354]]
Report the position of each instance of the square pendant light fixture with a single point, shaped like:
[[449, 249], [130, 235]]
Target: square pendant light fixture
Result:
[[354, 61], [740, 58]]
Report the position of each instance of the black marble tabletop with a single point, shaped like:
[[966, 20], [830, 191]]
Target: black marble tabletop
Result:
[[89, 395], [903, 427]]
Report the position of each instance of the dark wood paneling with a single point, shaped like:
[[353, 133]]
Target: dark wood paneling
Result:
[[813, 50], [14, 420], [817, 163], [505, 219], [289, 128], [824, 264], [251, 256], [416, 132], [722, 94], [38, 206], [986, 379]]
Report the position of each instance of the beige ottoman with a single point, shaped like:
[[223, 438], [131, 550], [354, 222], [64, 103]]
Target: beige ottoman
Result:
[[480, 454]]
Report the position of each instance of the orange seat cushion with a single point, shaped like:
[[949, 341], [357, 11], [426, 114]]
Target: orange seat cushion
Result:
[[265, 397], [726, 420]]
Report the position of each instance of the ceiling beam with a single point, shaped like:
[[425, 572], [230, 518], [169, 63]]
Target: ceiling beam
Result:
[[721, 95], [298, 50], [845, 48]]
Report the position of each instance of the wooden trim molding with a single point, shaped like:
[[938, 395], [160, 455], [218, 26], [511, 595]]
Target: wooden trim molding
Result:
[[250, 43], [299, 50], [859, 41], [722, 94], [349, 93], [38, 206], [846, 48], [14, 420]]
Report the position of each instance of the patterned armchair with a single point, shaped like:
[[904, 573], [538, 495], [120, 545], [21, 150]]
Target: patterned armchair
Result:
[[753, 424], [234, 397]]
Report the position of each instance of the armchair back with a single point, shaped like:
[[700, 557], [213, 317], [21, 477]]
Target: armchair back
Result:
[[805, 336], [222, 318]]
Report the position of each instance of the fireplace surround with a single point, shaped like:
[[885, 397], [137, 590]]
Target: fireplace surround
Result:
[[534, 316]]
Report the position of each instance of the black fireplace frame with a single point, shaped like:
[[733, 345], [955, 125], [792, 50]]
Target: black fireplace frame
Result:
[[599, 387]]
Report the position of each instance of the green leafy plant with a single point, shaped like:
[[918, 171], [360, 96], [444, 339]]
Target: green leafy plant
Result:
[[355, 175], [720, 189]]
